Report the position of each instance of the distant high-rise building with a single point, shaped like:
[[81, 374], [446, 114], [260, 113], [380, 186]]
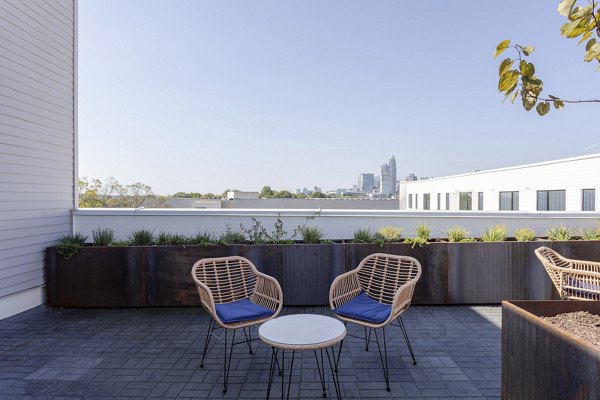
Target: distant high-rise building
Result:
[[387, 181], [393, 178], [366, 182], [411, 178]]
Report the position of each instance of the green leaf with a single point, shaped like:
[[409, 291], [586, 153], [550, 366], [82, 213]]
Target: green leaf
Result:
[[528, 50], [514, 96], [592, 53], [527, 69], [508, 80], [565, 7], [579, 12], [505, 65], [590, 43], [528, 101], [574, 28], [553, 97], [585, 37], [503, 45], [558, 104], [543, 108]]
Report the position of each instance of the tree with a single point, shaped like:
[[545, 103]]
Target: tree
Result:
[[266, 192], [112, 194], [584, 23]]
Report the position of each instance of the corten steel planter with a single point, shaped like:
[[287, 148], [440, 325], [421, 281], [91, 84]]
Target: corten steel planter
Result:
[[541, 361], [453, 273], [304, 271]]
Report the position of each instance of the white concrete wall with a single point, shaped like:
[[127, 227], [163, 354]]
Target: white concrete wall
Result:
[[337, 224], [572, 175], [37, 141]]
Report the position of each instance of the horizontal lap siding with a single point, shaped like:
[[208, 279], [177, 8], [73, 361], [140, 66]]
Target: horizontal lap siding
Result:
[[37, 135]]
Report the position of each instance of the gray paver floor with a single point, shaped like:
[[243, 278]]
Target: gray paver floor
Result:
[[155, 353]]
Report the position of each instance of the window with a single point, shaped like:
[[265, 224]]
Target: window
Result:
[[427, 201], [588, 200], [551, 200], [480, 201], [509, 201], [416, 201], [439, 201], [410, 201], [447, 201], [465, 200]]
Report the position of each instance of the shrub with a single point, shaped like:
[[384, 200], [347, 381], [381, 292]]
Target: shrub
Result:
[[69, 245], [103, 236], [232, 237], [422, 237], [204, 238], [311, 235], [590, 233], [494, 234], [172, 239], [142, 237], [559, 233], [363, 236], [458, 234], [390, 233], [524, 234]]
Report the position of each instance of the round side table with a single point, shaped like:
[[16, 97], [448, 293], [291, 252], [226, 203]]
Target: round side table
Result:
[[300, 332]]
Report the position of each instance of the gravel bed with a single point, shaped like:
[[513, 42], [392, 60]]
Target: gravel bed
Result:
[[581, 324]]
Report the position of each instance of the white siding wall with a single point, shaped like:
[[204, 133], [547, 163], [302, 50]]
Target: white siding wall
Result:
[[571, 175], [37, 135]]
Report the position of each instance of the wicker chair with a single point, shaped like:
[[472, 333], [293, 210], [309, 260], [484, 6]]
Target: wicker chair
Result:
[[574, 279], [236, 296], [374, 295]]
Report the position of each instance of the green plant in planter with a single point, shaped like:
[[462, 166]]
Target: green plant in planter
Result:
[[559, 233], [232, 237], [524, 234], [256, 234], [422, 237], [363, 236], [204, 238], [103, 236], [69, 245], [496, 233], [122, 243], [390, 233], [459, 234], [311, 234], [142, 237], [590, 233], [172, 239]]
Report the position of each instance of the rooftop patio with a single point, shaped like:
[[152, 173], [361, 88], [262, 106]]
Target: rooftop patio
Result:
[[155, 352]]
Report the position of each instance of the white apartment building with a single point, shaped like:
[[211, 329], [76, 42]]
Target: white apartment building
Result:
[[568, 184]]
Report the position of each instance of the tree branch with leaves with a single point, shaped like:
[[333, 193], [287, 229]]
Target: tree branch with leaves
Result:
[[584, 23]]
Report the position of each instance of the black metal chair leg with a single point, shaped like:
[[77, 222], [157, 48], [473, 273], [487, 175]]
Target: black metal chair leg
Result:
[[272, 370], [248, 338], [211, 327], [401, 322], [227, 361], [337, 360], [383, 358]]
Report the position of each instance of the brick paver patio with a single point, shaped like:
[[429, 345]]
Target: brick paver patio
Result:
[[155, 353]]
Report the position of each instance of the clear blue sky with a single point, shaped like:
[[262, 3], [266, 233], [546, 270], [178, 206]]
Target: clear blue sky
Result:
[[209, 95]]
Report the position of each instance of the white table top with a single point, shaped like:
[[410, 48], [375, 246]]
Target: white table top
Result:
[[302, 332]]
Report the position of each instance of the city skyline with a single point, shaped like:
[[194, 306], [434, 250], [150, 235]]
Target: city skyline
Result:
[[236, 95]]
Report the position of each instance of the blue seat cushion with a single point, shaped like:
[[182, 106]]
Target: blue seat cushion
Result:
[[365, 308], [241, 310], [586, 287]]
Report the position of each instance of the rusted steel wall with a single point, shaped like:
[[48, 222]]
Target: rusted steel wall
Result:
[[453, 273], [540, 361]]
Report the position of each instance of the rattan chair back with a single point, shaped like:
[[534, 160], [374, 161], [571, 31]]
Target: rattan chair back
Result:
[[574, 279], [381, 275], [228, 278]]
